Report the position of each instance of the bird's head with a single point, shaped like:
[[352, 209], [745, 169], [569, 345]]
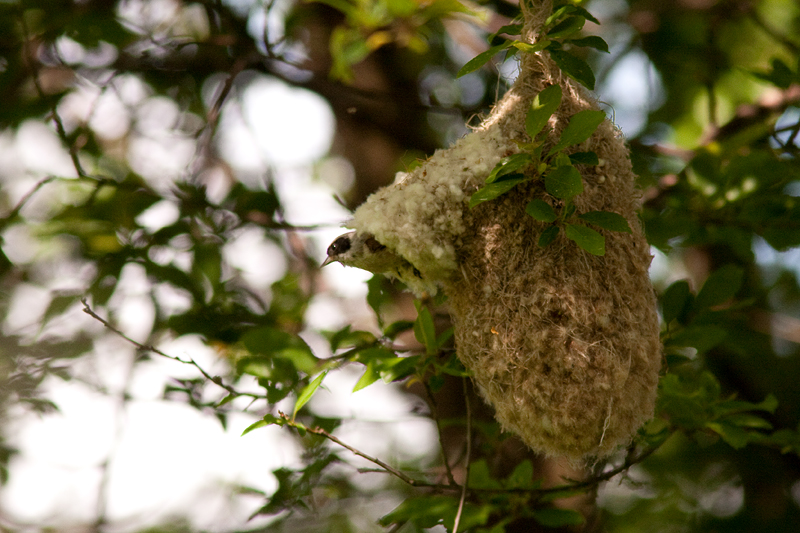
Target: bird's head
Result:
[[362, 250]]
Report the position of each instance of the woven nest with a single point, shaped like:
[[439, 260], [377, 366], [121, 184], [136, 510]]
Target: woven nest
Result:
[[563, 344]]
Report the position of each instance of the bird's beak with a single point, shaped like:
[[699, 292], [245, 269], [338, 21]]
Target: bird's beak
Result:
[[328, 261]]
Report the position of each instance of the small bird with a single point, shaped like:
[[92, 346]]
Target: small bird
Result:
[[362, 250]]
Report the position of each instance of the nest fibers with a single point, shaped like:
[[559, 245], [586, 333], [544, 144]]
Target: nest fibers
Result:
[[564, 344]]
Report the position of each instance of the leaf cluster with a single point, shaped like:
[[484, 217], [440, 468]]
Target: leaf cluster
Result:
[[558, 34], [562, 180], [372, 24]]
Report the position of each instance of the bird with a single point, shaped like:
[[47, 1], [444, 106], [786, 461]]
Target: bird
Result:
[[362, 250]]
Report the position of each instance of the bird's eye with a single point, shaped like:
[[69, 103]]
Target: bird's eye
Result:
[[339, 246]]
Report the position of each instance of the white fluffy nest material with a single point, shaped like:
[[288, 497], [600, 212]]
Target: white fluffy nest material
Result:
[[563, 344]]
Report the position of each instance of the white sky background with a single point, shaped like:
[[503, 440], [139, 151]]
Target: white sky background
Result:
[[167, 459]]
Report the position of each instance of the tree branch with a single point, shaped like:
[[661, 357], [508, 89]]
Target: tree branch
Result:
[[150, 348]]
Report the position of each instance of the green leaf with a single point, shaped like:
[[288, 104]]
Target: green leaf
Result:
[[307, 393], [396, 328], [444, 337], [566, 27], [434, 509], [548, 236], [701, 338], [493, 190], [558, 13], [227, 399], [273, 342], [399, 368], [607, 220], [769, 404], [367, 378], [558, 517], [584, 158], [508, 165], [268, 420], [574, 67], [346, 338], [585, 14], [522, 477], [542, 108], [564, 182], [375, 353], [481, 59], [780, 76], [748, 420], [587, 238], [424, 329], [593, 41], [581, 126], [254, 425], [508, 29], [378, 294], [480, 477], [530, 48], [720, 287], [734, 436], [675, 300], [541, 211]]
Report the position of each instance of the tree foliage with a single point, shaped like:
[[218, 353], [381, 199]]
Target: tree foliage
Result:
[[111, 81]]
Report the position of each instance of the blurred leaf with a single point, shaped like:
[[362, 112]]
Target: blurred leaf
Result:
[[720, 287], [675, 301], [480, 477], [434, 509], [346, 338], [481, 59], [731, 434], [558, 517], [424, 329], [396, 328], [378, 294], [780, 75], [398, 368], [273, 342], [522, 477], [700, 337], [367, 378], [307, 393], [58, 305]]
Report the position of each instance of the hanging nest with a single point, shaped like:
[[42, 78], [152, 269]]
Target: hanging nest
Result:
[[563, 344]]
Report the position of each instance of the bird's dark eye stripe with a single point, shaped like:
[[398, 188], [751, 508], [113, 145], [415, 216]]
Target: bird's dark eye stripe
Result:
[[339, 246]]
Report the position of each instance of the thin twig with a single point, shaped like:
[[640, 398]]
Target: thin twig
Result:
[[435, 416], [388, 468], [469, 454], [150, 348], [24, 200], [33, 65]]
